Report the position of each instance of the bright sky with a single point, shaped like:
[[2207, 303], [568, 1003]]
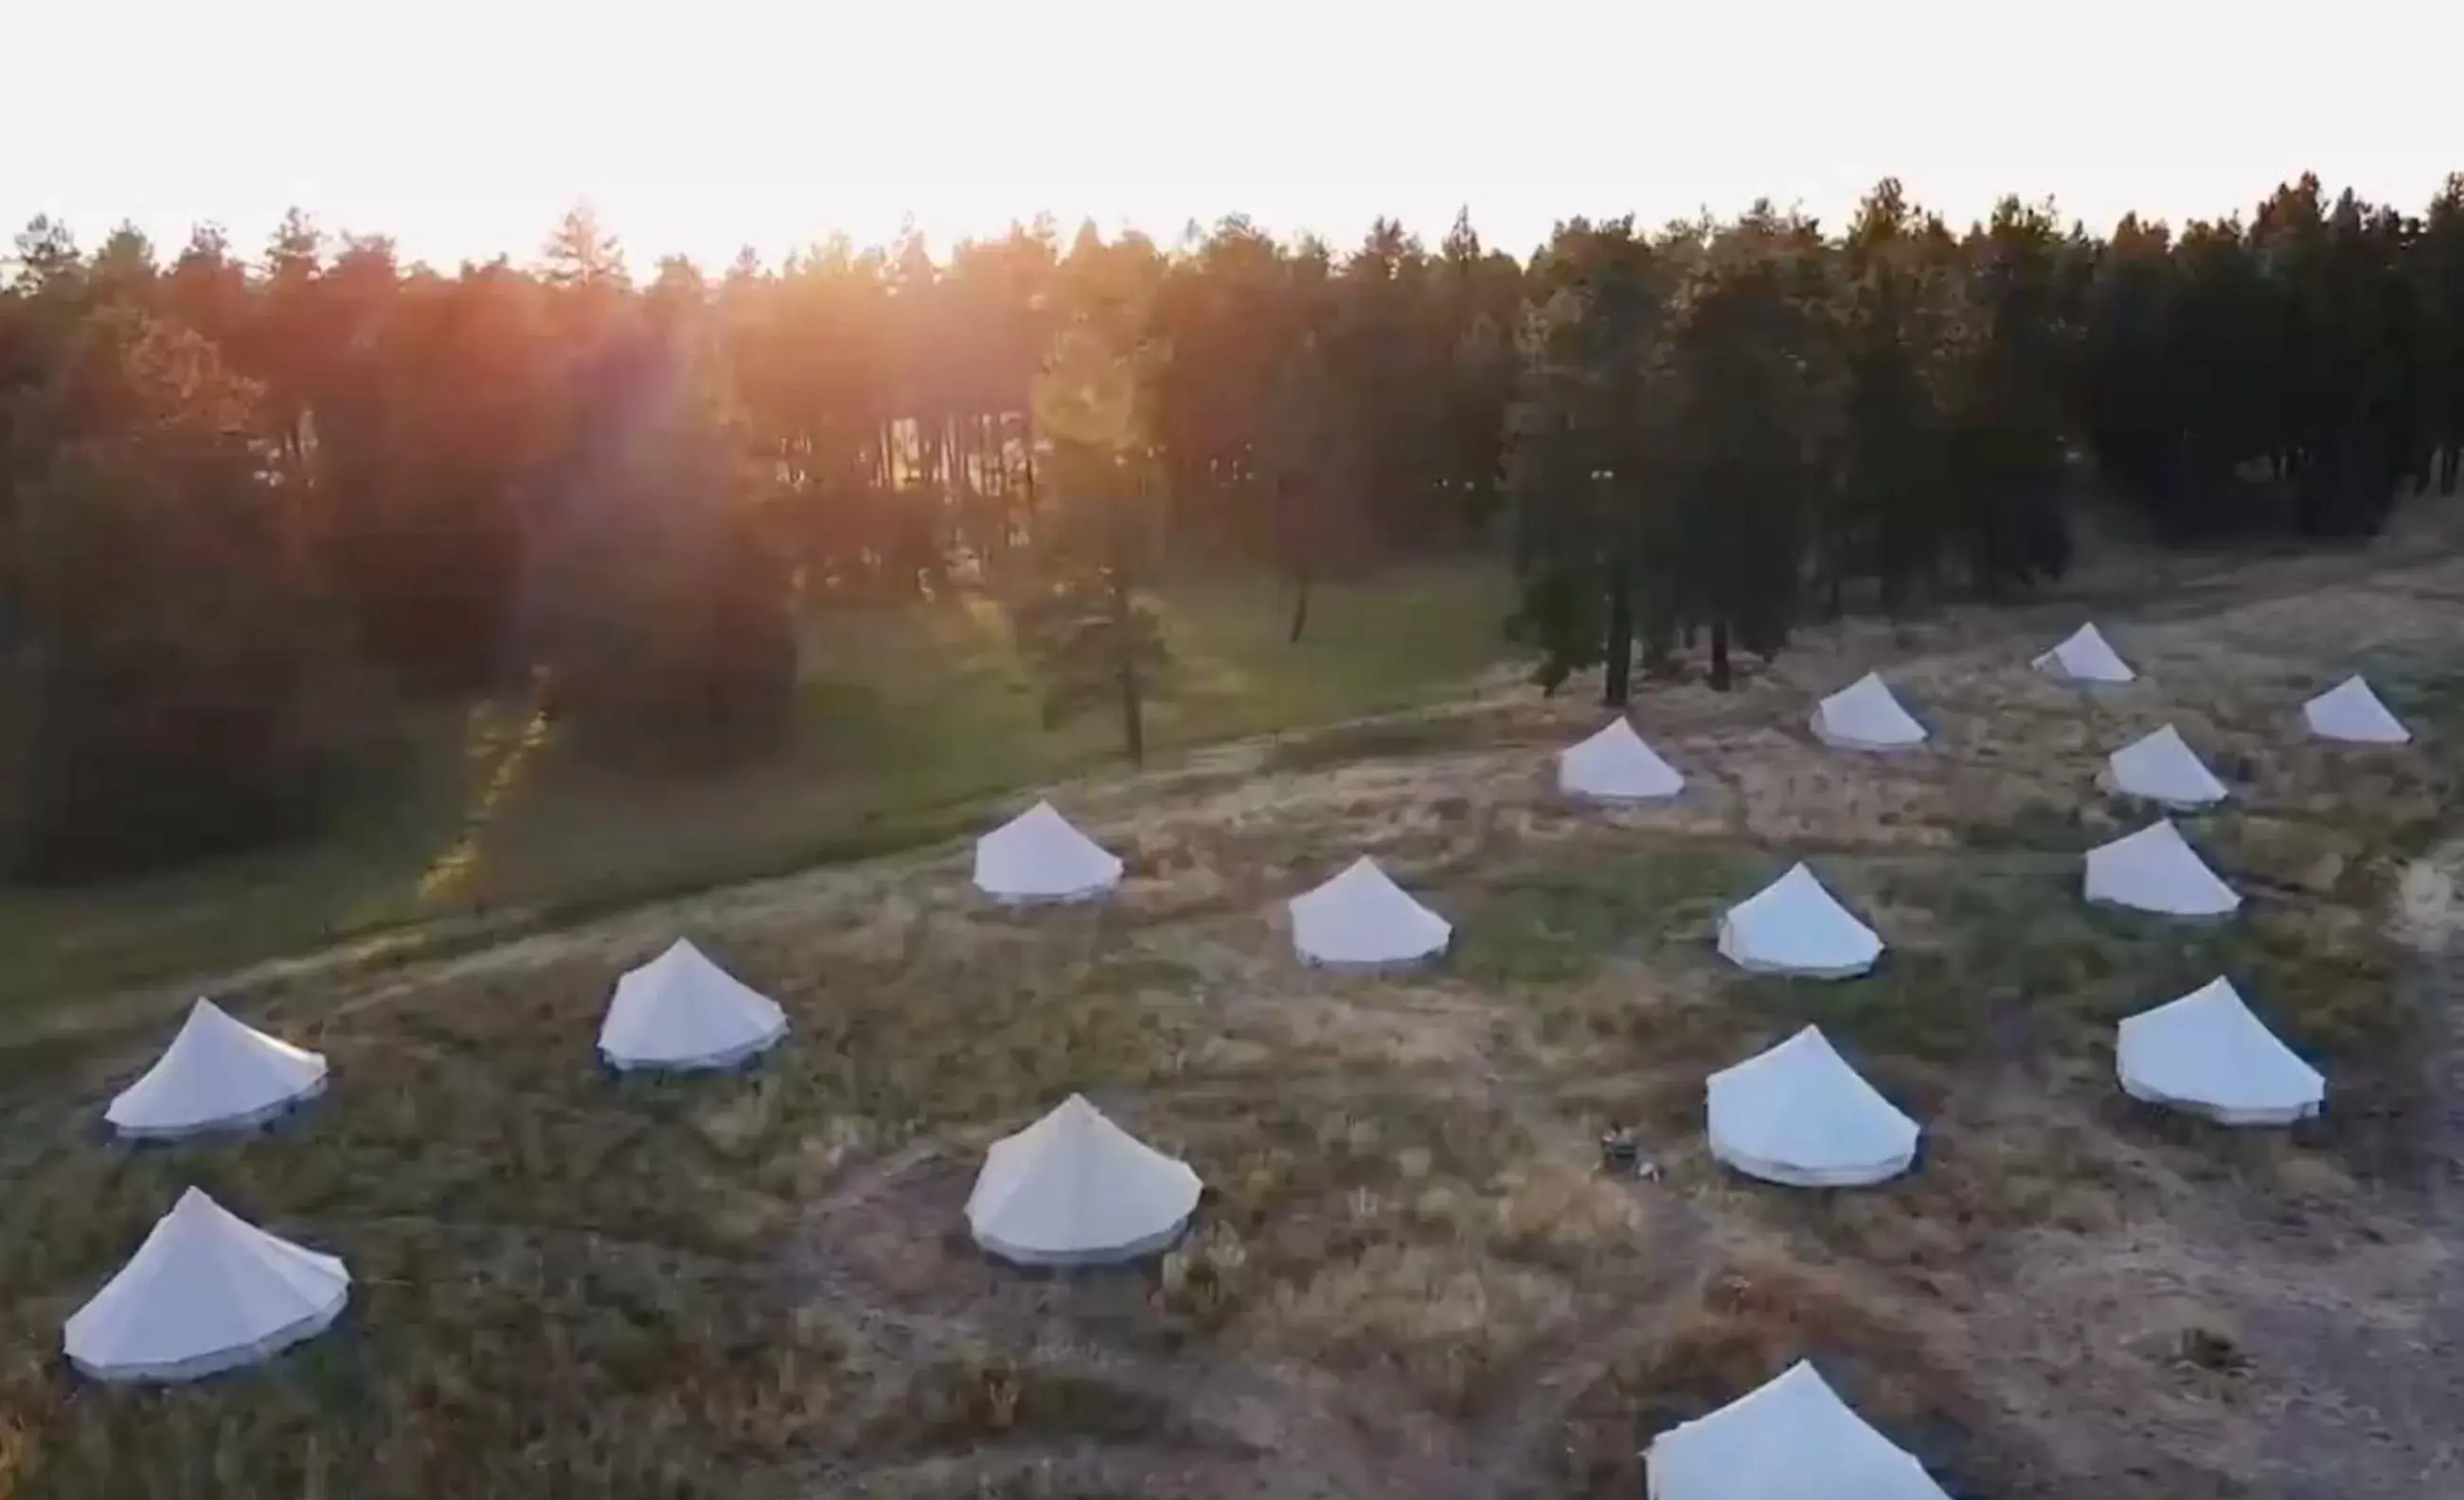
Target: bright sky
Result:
[[467, 127]]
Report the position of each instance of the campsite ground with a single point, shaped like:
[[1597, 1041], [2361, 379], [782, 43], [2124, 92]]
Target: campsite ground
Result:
[[1407, 1279]]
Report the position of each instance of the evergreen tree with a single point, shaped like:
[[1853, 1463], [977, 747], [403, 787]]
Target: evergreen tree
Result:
[[171, 631], [1592, 518], [1083, 622], [1743, 434]]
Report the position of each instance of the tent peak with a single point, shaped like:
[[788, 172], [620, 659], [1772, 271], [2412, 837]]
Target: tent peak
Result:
[[684, 1010]]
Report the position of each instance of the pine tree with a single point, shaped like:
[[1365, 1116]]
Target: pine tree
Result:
[[1083, 622]]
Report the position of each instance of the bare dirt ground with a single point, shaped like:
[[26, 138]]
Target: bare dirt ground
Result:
[[1408, 1278]]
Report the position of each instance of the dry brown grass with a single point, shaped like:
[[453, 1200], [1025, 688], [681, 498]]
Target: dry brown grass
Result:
[[1407, 1276]]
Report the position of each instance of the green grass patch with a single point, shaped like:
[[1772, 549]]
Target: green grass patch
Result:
[[912, 723], [1343, 744], [1556, 922]]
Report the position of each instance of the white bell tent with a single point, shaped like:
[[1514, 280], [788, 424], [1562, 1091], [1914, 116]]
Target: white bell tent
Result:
[[1616, 765], [2156, 870], [680, 1010], [2207, 1054], [1798, 1114], [2350, 713], [206, 1291], [1795, 926], [1075, 1189], [1362, 920], [1864, 716], [2085, 656], [1791, 1439], [216, 1074], [2161, 767], [1039, 857]]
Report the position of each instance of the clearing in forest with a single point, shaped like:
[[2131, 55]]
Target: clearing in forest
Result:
[[1407, 1277]]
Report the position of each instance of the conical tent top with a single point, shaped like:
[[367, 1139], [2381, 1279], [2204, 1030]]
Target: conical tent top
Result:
[[218, 1073], [1041, 857], [2085, 656], [2161, 767], [1795, 926], [2207, 1053], [1864, 716], [1791, 1439], [1798, 1115], [1363, 920], [2350, 713], [1073, 1189], [206, 1291], [2156, 870], [1616, 765], [680, 1010]]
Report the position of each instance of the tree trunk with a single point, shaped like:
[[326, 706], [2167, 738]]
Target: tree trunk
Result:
[[2449, 463], [1616, 686], [1300, 607], [1720, 678], [1026, 472], [1134, 727]]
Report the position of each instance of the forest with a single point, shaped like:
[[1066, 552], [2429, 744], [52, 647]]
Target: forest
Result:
[[247, 500]]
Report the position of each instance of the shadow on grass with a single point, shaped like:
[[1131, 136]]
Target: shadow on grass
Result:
[[910, 720]]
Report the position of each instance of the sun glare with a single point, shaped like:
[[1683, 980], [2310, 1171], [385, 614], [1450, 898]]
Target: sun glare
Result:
[[771, 126]]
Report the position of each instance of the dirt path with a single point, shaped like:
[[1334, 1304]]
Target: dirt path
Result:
[[2381, 1410]]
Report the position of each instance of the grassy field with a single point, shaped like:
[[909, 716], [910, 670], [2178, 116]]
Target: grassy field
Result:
[[911, 720], [1407, 1278]]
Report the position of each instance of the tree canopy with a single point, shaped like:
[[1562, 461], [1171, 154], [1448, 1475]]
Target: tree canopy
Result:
[[239, 490]]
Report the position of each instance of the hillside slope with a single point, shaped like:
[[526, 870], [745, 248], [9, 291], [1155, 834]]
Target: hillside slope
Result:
[[1408, 1278]]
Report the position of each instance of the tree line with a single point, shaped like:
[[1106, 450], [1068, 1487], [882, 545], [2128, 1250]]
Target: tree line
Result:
[[242, 498]]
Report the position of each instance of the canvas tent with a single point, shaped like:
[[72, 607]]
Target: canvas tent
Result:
[[2161, 767], [682, 1011], [1791, 1439], [216, 1074], [1615, 765], [1362, 919], [1041, 857], [1795, 926], [2156, 870], [1864, 716], [1799, 1116], [1075, 1189], [206, 1291], [2207, 1054], [2085, 656], [2349, 712]]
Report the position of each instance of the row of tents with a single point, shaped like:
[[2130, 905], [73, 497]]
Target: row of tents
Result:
[[1616, 765], [206, 1290], [1866, 715]]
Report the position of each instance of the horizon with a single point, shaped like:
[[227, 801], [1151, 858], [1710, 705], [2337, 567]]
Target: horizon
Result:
[[1083, 110]]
